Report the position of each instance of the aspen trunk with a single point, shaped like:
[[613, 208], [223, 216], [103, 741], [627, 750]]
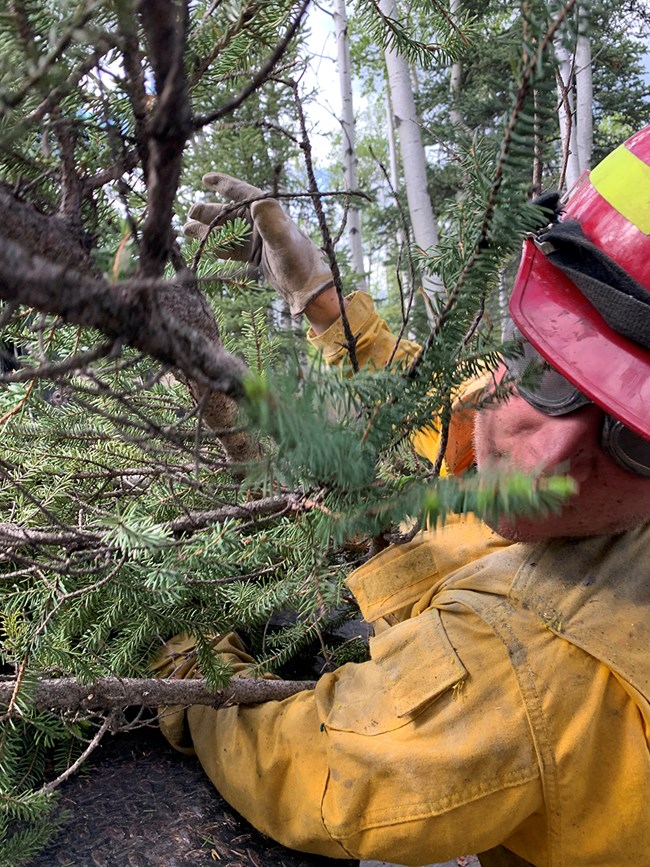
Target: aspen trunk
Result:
[[412, 154], [584, 94], [349, 152], [575, 101], [456, 75]]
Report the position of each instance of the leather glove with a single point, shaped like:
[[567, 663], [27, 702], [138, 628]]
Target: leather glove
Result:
[[287, 258], [177, 659]]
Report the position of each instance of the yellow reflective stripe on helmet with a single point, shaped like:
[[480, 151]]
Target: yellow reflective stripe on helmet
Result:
[[623, 180]]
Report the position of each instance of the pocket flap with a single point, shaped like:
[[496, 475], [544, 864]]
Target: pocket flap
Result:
[[412, 664]]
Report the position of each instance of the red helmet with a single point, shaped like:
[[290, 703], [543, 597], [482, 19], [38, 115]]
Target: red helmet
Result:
[[612, 206]]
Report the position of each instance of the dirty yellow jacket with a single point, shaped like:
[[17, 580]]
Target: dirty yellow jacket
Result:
[[506, 701], [509, 706]]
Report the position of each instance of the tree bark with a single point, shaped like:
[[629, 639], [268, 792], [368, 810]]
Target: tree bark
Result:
[[349, 151], [584, 94], [413, 157], [128, 311], [108, 693]]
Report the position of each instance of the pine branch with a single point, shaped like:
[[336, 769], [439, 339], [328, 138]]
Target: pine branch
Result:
[[531, 64], [246, 15], [108, 693], [16, 536], [47, 61], [128, 311], [260, 77]]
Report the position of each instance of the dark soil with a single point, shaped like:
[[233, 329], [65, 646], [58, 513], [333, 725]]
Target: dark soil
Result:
[[137, 803]]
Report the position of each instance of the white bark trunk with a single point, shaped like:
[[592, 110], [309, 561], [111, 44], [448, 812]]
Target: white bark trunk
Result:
[[413, 160], [584, 95], [392, 144], [456, 74], [349, 152], [393, 160]]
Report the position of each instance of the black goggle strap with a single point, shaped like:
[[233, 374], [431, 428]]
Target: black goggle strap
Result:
[[623, 303], [627, 448]]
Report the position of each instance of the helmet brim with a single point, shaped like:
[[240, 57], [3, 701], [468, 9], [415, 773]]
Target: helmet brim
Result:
[[568, 331]]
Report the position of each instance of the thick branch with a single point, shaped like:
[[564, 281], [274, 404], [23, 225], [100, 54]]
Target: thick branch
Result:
[[129, 311], [37, 232], [164, 23], [179, 303], [108, 693], [219, 412], [134, 80]]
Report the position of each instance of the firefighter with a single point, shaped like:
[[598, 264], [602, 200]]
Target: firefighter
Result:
[[506, 703]]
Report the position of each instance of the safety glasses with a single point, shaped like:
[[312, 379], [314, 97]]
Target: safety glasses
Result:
[[548, 391]]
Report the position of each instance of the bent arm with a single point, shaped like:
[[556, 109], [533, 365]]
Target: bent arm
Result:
[[387, 760], [375, 342]]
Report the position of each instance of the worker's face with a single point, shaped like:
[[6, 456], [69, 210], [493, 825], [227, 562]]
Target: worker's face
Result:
[[609, 499]]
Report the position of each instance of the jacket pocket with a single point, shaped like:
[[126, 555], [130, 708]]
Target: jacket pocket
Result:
[[412, 664]]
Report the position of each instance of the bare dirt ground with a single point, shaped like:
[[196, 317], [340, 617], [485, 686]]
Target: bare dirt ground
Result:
[[138, 803]]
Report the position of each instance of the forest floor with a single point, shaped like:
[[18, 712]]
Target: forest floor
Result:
[[138, 803]]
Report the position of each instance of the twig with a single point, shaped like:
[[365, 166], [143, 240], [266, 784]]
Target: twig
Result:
[[48, 788], [13, 696], [54, 371], [406, 309], [260, 77], [350, 338]]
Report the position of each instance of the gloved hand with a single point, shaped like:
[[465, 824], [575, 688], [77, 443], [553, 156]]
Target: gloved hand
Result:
[[287, 258], [177, 659]]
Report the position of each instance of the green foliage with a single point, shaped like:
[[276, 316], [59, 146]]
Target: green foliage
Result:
[[123, 523], [408, 31]]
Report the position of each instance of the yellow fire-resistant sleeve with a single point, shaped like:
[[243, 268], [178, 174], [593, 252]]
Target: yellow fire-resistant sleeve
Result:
[[376, 345], [382, 760], [375, 342]]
